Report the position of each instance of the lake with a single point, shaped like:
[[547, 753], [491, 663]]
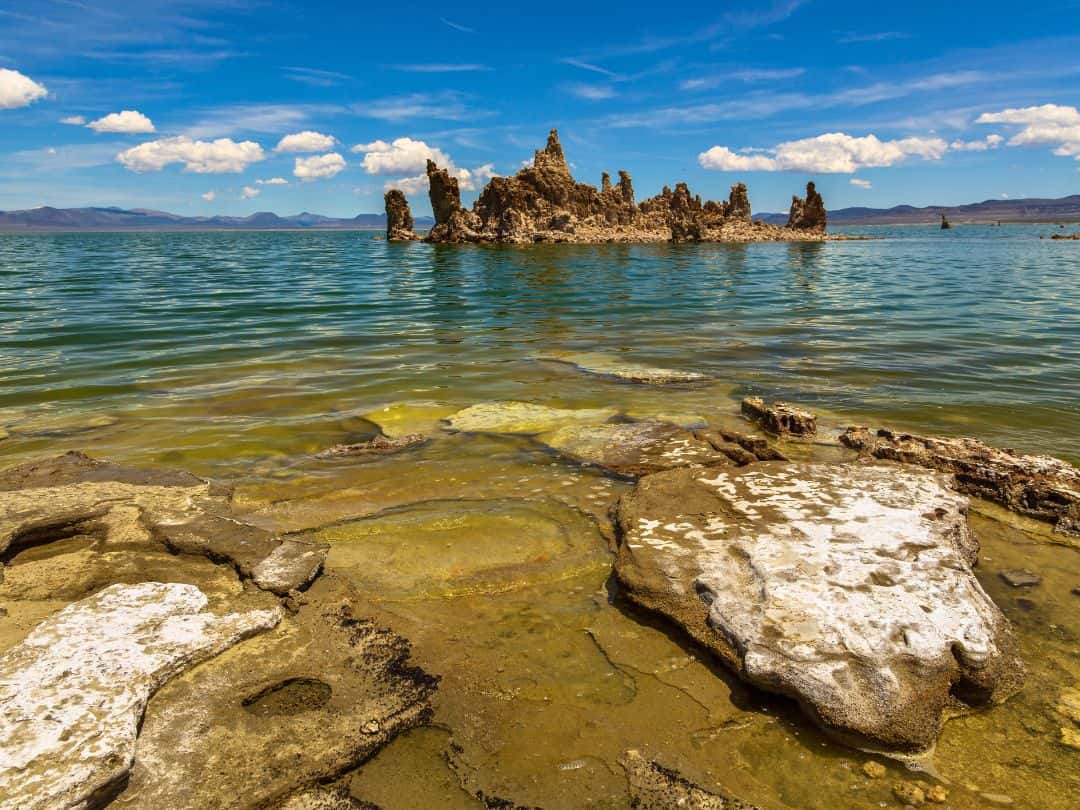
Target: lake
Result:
[[241, 355]]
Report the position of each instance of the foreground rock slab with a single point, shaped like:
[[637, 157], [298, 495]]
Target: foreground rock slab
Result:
[[73, 494], [607, 366], [1040, 487], [72, 693], [779, 418], [846, 587], [634, 448], [287, 710], [654, 787]]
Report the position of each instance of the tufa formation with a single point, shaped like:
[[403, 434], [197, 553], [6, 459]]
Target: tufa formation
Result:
[[544, 203], [808, 214]]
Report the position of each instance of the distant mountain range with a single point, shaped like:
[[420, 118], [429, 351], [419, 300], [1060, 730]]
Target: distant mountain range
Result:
[[1067, 209], [107, 219]]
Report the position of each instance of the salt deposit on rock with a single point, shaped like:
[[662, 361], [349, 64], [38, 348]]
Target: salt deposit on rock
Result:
[[847, 587], [73, 692]]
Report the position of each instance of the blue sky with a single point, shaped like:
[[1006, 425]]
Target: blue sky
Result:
[[186, 105]]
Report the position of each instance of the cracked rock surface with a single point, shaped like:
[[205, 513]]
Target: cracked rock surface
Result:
[[72, 693], [846, 587]]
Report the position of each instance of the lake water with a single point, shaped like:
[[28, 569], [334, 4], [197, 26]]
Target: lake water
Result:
[[241, 355]]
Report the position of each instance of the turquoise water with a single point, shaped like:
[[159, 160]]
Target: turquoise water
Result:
[[971, 331], [242, 355]]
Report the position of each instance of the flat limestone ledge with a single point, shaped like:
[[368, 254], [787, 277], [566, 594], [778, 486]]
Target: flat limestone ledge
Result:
[[847, 587], [73, 692], [53, 498], [1040, 487]]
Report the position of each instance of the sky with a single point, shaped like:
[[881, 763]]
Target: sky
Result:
[[205, 107]]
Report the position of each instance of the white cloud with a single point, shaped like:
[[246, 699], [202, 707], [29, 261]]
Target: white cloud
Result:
[[989, 142], [722, 158], [209, 196], [441, 67], [403, 156], [591, 92], [273, 181], [319, 166], [306, 141], [834, 152], [248, 192], [202, 157], [128, 121], [17, 90], [1049, 125], [73, 120], [858, 182]]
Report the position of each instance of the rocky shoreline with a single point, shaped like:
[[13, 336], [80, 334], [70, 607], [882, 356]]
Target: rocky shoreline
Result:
[[845, 585], [544, 203]]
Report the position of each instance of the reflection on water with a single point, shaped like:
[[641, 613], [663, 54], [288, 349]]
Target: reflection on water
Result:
[[242, 355]]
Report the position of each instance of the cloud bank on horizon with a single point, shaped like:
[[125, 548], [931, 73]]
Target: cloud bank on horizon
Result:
[[203, 108]]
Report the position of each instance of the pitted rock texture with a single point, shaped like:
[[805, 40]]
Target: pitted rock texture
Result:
[[74, 494], [847, 587], [73, 692], [654, 787], [399, 221], [544, 203], [779, 418], [289, 709], [686, 219], [634, 448], [1040, 487], [808, 214], [452, 222]]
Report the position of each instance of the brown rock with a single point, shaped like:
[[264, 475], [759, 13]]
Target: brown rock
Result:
[[1020, 578], [399, 221], [73, 494], [808, 214], [378, 446], [1040, 487], [780, 418], [739, 447], [452, 222], [654, 787], [686, 217], [909, 793], [873, 770], [738, 207]]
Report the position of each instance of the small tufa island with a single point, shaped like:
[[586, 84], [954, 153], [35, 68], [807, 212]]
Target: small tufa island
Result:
[[543, 203]]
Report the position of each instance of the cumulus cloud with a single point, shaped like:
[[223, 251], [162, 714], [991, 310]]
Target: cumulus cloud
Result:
[[989, 142], [402, 156], [1048, 125], [858, 182], [306, 141], [319, 167], [833, 152], [273, 181], [17, 90], [202, 157], [248, 192], [128, 121], [73, 120], [406, 156], [209, 196]]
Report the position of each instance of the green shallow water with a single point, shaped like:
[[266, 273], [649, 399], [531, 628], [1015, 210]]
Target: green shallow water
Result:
[[241, 355]]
